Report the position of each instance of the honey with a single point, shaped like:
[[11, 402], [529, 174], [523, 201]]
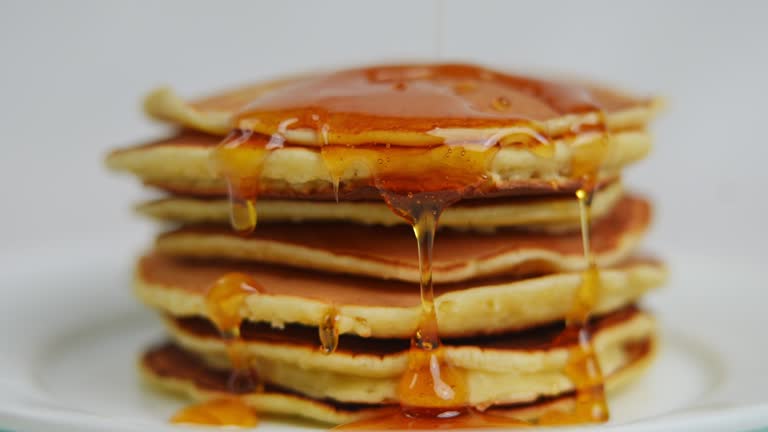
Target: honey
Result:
[[430, 383], [239, 160], [357, 106], [328, 331], [433, 393], [218, 412], [423, 136], [224, 305], [225, 301]]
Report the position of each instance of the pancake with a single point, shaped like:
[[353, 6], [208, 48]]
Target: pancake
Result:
[[379, 308], [199, 383], [527, 350], [513, 152], [413, 105], [522, 380], [389, 253], [552, 213], [181, 164]]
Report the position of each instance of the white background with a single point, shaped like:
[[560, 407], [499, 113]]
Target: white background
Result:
[[72, 75]]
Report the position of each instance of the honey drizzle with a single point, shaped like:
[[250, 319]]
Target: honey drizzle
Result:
[[238, 160], [430, 386], [242, 152], [583, 366], [224, 302]]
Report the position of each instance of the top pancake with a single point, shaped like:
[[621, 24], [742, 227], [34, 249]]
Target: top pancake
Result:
[[405, 129], [410, 105]]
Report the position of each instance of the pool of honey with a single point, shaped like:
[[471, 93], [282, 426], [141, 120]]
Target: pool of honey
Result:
[[415, 97], [418, 183]]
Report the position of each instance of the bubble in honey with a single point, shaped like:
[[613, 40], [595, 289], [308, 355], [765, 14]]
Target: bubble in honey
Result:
[[500, 103], [464, 87]]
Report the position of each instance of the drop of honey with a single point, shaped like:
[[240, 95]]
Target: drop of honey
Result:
[[238, 160], [242, 211], [225, 301], [500, 103], [329, 331], [218, 412]]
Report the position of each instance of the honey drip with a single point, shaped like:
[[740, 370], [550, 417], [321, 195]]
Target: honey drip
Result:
[[433, 393], [430, 386], [224, 303], [583, 366], [239, 160], [329, 331]]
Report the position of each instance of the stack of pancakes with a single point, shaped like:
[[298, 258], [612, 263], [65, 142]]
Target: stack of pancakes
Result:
[[328, 256]]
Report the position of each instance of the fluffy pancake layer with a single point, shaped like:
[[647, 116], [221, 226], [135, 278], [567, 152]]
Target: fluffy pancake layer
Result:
[[521, 370], [181, 164], [380, 308], [389, 253], [554, 212]]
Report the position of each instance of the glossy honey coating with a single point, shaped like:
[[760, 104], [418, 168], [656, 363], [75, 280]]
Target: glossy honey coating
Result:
[[422, 104]]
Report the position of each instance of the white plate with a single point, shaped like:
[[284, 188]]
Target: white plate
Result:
[[70, 334]]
